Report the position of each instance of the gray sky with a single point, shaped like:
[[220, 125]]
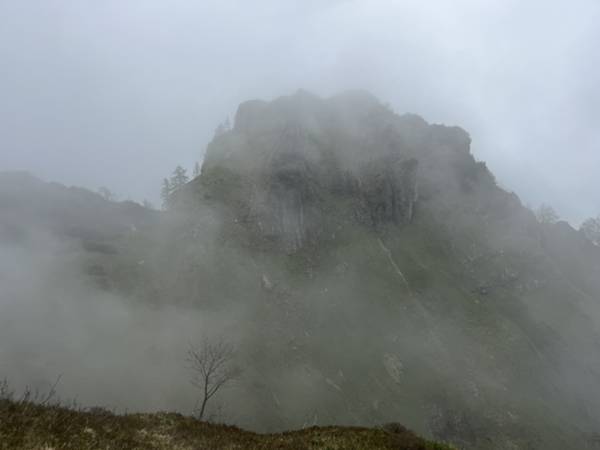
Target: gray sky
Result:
[[118, 92]]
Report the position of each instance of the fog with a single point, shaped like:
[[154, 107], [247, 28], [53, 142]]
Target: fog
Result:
[[55, 325], [117, 93], [367, 266]]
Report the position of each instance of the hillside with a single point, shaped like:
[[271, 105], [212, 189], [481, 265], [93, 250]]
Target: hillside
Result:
[[28, 426], [31, 205], [369, 270]]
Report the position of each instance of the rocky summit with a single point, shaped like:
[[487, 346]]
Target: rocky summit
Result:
[[285, 164]]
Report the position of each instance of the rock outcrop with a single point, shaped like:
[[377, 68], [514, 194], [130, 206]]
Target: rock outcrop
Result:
[[390, 190], [301, 157]]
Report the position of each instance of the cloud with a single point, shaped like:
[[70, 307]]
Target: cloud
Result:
[[117, 93]]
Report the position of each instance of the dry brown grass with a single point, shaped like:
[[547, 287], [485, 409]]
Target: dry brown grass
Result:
[[26, 425]]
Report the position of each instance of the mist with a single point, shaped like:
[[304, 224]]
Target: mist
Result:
[[55, 325], [364, 264], [119, 91], [361, 226]]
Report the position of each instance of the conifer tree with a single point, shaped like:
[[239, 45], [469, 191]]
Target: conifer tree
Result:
[[179, 178], [165, 193]]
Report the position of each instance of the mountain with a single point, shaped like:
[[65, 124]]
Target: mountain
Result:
[[369, 269], [71, 225], [29, 204]]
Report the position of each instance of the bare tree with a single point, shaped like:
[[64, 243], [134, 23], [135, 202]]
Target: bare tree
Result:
[[212, 364]]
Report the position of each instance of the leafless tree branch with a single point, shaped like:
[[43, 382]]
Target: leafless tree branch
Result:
[[212, 366]]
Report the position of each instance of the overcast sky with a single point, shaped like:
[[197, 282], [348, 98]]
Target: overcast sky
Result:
[[117, 92]]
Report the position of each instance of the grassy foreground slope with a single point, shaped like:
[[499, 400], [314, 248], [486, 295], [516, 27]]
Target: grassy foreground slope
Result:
[[25, 425]]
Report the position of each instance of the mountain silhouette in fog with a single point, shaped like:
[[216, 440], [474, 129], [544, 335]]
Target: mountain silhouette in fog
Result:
[[368, 268]]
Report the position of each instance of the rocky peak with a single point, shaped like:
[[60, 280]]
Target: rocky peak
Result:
[[300, 157]]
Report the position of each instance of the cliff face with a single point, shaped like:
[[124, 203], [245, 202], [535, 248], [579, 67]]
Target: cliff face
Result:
[[299, 155], [390, 190]]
